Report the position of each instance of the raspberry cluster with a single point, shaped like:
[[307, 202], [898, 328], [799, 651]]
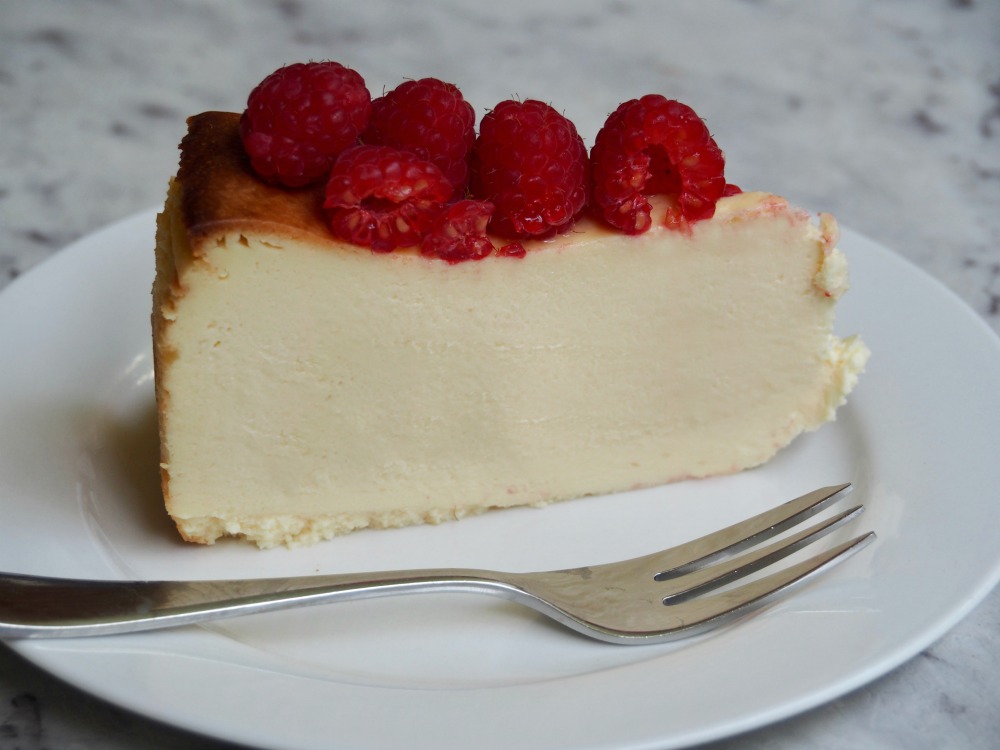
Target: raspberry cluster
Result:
[[408, 169]]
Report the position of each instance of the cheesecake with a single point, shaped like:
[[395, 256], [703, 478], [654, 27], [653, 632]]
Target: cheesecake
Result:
[[308, 387]]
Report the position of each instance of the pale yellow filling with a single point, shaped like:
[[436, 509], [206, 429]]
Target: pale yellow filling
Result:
[[306, 391]]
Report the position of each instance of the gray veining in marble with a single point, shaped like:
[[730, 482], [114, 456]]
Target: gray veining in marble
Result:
[[886, 114]]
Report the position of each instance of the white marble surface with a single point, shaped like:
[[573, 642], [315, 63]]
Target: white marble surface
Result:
[[886, 114]]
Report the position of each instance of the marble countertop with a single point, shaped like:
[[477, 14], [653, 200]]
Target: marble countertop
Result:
[[885, 114]]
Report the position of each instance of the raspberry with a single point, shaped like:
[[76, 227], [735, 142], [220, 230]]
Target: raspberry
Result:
[[300, 118], [384, 198], [460, 233], [530, 162], [513, 250], [655, 145], [430, 118]]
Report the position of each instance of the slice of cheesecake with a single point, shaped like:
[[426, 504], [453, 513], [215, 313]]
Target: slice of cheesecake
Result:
[[308, 387]]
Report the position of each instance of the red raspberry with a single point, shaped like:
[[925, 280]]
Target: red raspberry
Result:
[[384, 198], [513, 250], [530, 162], [300, 118], [655, 145], [430, 118], [460, 233]]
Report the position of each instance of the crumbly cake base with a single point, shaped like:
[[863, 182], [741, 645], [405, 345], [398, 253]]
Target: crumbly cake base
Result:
[[300, 531]]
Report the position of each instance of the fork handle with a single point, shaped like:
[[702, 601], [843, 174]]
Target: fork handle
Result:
[[42, 607]]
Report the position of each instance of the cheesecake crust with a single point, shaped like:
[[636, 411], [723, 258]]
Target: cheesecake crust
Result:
[[220, 191]]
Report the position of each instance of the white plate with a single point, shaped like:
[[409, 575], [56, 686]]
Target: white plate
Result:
[[79, 496]]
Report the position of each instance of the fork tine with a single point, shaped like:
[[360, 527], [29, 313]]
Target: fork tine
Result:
[[709, 612], [734, 568], [731, 540]]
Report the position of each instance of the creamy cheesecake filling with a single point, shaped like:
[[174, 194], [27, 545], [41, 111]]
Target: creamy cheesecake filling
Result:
[[309, 387]]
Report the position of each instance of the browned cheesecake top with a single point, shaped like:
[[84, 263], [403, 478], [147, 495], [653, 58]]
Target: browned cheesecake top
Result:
[[220, 190]]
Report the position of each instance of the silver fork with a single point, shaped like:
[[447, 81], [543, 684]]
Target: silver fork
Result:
[[651, 599]]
